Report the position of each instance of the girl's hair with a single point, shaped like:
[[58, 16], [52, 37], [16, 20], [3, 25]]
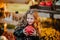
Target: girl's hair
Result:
[[23, 21], [36, 24]]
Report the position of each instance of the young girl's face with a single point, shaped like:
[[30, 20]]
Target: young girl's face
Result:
[[30, 19]]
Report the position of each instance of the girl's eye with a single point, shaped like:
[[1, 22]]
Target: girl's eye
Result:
[[31, 18], [27, 18]]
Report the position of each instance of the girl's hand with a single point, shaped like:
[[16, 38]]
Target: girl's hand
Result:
[[25, 32], [31, 34], [34, 33]]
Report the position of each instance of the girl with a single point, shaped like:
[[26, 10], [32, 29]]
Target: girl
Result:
[[29, 19]]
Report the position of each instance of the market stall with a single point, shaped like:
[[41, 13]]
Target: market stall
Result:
[[48, 11]]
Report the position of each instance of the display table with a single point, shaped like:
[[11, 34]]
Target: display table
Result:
[[51, 12]]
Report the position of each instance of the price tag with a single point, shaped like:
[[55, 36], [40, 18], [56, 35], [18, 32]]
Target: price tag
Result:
[[57, 16], [44, 14]]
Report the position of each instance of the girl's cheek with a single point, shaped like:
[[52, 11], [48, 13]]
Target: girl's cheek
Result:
[[32, 20], [27, 20]]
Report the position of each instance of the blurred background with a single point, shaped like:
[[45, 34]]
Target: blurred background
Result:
[[11, 12]]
